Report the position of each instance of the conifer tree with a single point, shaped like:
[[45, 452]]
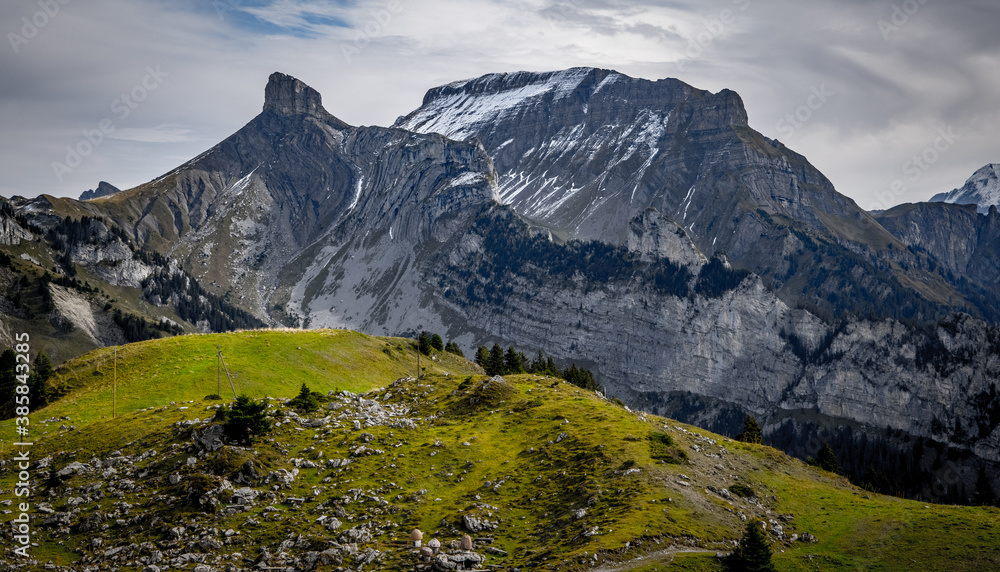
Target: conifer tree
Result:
[[827, 460], [437, 343], [41, 370], [751, 431], [985, 496], [246, 420], [482, 357], [513, 362], [424, 343], [754, 552], [453, 348], [495, 363], [306, 401]]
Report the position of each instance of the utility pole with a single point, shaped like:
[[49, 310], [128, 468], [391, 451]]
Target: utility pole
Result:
[[229, 377], [218, 371]]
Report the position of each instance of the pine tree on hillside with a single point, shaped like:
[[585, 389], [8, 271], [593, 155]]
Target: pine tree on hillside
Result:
[[538, 364], [306, 401], [985, 495], [482, 356], [453, 348], [437, 343], [754, 552], [41, 370], [827, 460], [495, 363], [751, 431], [513, 362], [246, 420], [424, 343]]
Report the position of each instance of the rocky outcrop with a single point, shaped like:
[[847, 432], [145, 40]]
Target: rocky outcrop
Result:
[[103, 189], [286, 96]]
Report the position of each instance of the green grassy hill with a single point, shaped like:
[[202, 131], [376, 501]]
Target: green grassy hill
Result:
[[545, 475], [261, 363]]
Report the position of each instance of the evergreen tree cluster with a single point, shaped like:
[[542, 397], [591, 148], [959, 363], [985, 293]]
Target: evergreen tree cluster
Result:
[[426, 342], [38, 390], [7, 212], [496, 361], [194, 304], [139, 329], [511, 249]]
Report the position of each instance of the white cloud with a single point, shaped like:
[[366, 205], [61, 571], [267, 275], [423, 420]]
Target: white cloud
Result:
[[158, 134]]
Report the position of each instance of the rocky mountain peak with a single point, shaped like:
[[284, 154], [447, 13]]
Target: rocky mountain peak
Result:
[[103, 189], [286, 95], [981, 189]]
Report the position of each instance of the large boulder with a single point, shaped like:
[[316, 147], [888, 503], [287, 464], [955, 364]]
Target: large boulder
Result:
[[210, 438]]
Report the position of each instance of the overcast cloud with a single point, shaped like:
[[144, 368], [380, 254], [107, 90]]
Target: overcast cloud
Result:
[[858, 87]]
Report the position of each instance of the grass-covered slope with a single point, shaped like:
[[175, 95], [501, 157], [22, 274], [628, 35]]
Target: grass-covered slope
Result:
[[261, 363], [543, 474]]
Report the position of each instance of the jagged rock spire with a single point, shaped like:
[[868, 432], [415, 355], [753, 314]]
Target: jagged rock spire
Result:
[[286, 95]]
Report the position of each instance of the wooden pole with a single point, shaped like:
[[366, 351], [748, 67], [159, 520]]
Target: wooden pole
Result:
[[218, 371], [229, 377], [114, 387], [418, 359]]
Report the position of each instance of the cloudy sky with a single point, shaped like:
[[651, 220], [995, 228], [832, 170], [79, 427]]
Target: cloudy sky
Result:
[[872, 92]]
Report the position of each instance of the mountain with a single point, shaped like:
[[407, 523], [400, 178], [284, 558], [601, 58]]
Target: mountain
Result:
[[584, 151], [540, 474], [809, 314], [78, 283], [103, 190], [982, 189], [265, 215], [964, 241]]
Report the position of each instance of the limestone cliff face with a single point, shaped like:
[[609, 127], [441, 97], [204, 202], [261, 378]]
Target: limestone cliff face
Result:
[[743, 346], [965, 241]]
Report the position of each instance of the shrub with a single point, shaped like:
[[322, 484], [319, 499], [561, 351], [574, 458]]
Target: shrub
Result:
[[661, 448], [246, 420], [741, 490], [306, 401]]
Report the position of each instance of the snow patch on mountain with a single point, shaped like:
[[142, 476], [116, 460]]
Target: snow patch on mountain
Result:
[[459, 114]]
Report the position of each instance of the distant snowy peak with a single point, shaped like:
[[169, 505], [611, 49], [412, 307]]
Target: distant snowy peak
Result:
[[982, 189]]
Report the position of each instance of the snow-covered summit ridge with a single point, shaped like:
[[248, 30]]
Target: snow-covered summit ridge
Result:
[[982, 189], [463, 109], [456, 109]]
